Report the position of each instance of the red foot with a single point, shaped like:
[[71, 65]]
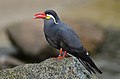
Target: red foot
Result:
[[60, 55], [65, 53]]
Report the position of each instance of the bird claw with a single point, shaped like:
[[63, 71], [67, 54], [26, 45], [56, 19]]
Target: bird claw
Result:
[[62, 56], [65, 54]]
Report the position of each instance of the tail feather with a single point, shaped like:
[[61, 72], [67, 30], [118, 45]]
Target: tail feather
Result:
[[93, 66], [87, 62], [85, 65], [90, 67]]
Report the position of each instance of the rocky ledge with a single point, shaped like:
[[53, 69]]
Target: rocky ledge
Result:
[[67, 68]]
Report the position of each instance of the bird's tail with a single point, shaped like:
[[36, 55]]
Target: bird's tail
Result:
[[91, 67], [87, 62]]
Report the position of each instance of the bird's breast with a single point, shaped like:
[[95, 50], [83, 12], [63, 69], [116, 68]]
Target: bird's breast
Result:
[[50, 31]]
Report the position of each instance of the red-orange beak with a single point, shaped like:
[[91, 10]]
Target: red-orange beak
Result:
[[39, 16]]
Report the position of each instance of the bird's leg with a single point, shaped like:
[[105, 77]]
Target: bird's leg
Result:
[[65, 53], [60, 55]]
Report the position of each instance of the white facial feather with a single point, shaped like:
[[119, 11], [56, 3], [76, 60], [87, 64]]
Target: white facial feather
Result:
[[52, 18]]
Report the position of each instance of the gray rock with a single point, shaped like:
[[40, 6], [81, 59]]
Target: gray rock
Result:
[[67, 68]]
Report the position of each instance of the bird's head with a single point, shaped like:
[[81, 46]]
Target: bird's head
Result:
[[47, 15]]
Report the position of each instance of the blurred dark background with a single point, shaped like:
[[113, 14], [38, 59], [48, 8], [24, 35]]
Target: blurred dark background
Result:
[[95, 21]]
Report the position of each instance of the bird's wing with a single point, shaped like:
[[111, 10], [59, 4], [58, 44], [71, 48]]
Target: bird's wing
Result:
[[52, 43], [69, 38], [71, 43]]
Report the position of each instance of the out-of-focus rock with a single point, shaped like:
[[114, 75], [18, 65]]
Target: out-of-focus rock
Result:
[[9, 61], [28, 37], [6, 49], [109, 57], [89, 32], [67, 68], [5, 45]]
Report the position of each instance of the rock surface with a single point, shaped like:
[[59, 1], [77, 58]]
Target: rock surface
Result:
[[67, 68]]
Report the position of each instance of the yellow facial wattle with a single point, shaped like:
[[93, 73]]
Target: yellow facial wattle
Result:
[[48, 17]]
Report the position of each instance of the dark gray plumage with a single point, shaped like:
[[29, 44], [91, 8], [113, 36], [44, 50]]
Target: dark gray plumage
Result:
[[60, 35]]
